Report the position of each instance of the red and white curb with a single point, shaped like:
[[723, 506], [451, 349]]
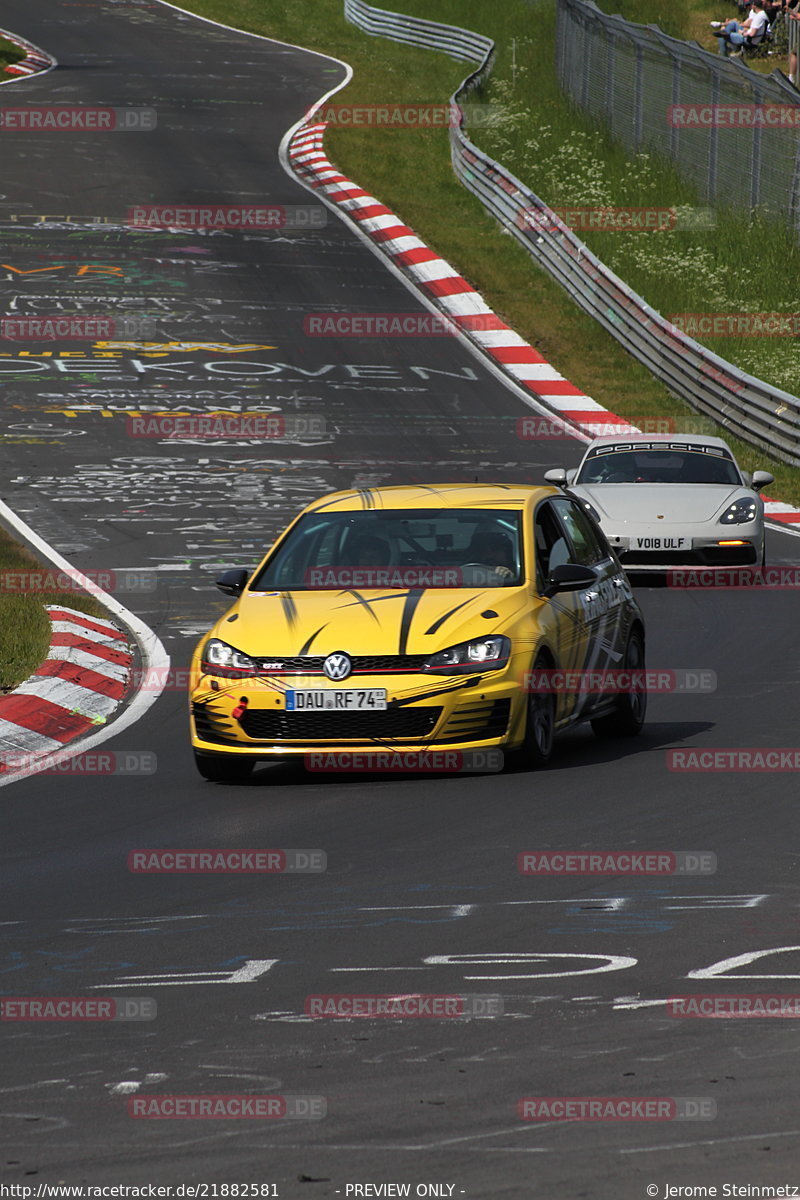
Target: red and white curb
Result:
[[79, 685], [459, 300], [35, 60]]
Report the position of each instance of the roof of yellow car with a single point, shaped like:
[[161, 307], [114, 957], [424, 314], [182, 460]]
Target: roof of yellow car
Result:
[[439, 495]]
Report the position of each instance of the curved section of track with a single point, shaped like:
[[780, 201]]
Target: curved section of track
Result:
[[421, 892]]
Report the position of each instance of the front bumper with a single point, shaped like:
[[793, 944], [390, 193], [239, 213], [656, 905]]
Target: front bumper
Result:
[[424, 711], [658, 549]]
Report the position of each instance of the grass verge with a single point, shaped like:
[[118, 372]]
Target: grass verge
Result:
[[9, 53], [24, 625]]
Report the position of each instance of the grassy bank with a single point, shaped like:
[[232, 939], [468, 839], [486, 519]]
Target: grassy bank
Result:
[[24, 625], [9, 53]]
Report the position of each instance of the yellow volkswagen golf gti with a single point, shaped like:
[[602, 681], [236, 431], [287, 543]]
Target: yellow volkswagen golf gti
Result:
[[416, 619]]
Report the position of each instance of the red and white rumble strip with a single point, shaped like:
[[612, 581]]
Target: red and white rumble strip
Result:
[[455, 296], [78, 686], [35, 60]]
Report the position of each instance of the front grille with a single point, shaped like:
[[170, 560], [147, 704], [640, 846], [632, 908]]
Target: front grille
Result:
[[211, 726], [390, 725], [473, 722], [306, 664]]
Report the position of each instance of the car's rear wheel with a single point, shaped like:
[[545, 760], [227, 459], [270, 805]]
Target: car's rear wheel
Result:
[[223, 768], [540, 725], [630, 707]]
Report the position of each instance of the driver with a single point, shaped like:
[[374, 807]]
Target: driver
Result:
[[370, 551], [493, 548]]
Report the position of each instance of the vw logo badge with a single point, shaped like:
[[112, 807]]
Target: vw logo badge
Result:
[[337, 666]]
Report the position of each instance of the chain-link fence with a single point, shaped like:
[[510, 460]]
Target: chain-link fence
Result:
[[732, 131]]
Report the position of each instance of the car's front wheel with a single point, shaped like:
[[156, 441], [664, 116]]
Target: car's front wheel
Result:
[[630, 707], [540, 725], [223, 768]]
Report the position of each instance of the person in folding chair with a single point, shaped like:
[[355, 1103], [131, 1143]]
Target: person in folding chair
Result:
[[748, 33]]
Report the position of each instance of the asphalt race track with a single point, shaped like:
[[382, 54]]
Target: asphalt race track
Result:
[[422, 891]]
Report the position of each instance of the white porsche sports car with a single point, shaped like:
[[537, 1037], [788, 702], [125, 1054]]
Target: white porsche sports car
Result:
[[671, 500]]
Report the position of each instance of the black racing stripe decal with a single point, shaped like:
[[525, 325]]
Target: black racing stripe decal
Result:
[[304, 649], [437, 624], [375, 599], [409, 608], [289, 609], [366, 497], [472, 682], [364, 603]]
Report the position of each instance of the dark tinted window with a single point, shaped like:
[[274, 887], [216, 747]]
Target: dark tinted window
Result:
[[588, 547]]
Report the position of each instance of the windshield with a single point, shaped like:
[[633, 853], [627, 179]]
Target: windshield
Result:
[[402, 548], [657, 463]]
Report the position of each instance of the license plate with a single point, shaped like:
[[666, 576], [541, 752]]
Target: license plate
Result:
[[662, 543], [335, 699]]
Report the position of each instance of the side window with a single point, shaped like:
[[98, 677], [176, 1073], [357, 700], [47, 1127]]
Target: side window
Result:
[[588, 547], [552, 549]]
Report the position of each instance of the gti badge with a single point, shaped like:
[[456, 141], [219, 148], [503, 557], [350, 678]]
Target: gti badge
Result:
[[337, 666]]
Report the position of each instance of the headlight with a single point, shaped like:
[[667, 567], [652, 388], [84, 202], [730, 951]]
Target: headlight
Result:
[[221, 659], [740, 512], [484, 654]]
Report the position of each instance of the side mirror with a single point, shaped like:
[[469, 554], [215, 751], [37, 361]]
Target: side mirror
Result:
[[232, 582], [557, 476], [761, 479], [569, 577]]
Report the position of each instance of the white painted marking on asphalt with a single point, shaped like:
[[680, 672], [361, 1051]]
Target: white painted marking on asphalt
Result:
[[623, 1002], [723, 968], [613, 962], [747, 1137], [249, 972]]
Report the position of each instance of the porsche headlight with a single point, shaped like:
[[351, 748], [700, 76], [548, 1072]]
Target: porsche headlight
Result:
[[221, 659], [484, 654], [740, 512]]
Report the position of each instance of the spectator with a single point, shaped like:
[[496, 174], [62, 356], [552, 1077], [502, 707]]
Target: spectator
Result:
[[751, 31]]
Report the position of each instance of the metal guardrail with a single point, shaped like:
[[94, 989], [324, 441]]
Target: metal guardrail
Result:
[[629, 76], [749, 408]]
